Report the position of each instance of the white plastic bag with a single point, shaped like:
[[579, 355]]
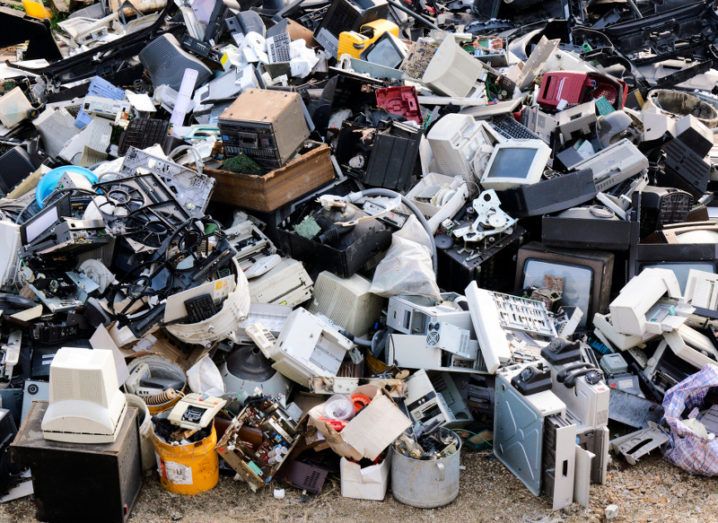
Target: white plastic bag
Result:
[[204, 377], [407, 267]]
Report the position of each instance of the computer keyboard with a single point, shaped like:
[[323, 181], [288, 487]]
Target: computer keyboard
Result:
[[509, 128]]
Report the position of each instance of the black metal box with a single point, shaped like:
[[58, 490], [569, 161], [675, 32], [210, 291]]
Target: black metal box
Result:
[[81, 482]]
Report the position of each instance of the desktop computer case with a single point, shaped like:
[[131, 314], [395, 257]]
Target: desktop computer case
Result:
[[267, 126]]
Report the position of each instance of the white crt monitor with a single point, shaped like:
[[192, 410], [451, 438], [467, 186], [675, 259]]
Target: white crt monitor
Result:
[[514, 163]]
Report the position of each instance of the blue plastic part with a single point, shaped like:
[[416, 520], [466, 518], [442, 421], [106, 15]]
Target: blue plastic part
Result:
[[49, 181]]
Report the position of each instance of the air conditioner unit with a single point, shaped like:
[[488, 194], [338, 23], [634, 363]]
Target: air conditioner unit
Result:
[[86, 404]]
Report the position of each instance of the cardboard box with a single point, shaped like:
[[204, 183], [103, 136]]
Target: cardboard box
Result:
[[301, 175], [365, 483], [369, 432]]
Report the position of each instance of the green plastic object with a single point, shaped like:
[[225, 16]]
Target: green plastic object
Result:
[[604, 106], [242, 164], [308, 228]]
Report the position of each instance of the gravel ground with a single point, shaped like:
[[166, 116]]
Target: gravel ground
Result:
[[653, 490]]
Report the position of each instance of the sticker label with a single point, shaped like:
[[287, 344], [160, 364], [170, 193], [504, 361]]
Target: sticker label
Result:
[[177, 473]]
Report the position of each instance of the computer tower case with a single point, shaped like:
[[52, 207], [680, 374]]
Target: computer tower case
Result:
[[268, 126]]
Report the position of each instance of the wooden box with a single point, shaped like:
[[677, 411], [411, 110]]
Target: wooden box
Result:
[[301, 175], [76, 482]]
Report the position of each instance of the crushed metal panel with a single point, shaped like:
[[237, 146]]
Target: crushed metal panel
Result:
[[633, 410]]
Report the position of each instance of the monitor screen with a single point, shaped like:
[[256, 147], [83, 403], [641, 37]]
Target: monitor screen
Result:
[[577, 281], [680, 269], [512, 162], [41, 222], [385, 53]]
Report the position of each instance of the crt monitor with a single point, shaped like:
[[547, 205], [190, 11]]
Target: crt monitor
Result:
[[514, 163], [388, 51], [681, 269], [586, 275], [690, 233], [680, 258]]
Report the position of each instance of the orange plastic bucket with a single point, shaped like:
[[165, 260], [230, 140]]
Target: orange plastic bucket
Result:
[[188, 469]]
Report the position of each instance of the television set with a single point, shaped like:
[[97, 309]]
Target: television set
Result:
[[586, 274], [388, 50]]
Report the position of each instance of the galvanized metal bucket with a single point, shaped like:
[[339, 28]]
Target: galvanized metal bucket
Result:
[[426, 483]]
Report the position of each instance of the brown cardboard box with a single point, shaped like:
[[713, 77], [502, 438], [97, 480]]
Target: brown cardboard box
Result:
[[369, 432], [301, 175]]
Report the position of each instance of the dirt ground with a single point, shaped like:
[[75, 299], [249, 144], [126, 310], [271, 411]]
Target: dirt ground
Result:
[[653, 490]]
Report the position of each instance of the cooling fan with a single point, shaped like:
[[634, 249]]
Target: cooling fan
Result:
[[140, 208], [432, 335], [120, 201], [151, 225]]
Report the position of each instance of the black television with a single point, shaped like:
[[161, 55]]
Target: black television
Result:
[[587, 275]]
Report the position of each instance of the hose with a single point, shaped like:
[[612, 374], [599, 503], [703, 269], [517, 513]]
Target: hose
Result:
[[388, 193], [162, 397], [199, 163]]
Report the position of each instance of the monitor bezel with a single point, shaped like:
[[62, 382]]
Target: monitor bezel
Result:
[[534, 173]]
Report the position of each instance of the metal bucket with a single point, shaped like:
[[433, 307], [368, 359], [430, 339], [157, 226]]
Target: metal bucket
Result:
[[426, 483]]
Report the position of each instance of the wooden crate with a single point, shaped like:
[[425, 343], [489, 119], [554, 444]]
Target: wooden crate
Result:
[[279, 187]]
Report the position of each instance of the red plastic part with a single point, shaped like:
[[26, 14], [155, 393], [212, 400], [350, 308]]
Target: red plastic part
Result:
[[360, 401], [580, 87], [400, 100]]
